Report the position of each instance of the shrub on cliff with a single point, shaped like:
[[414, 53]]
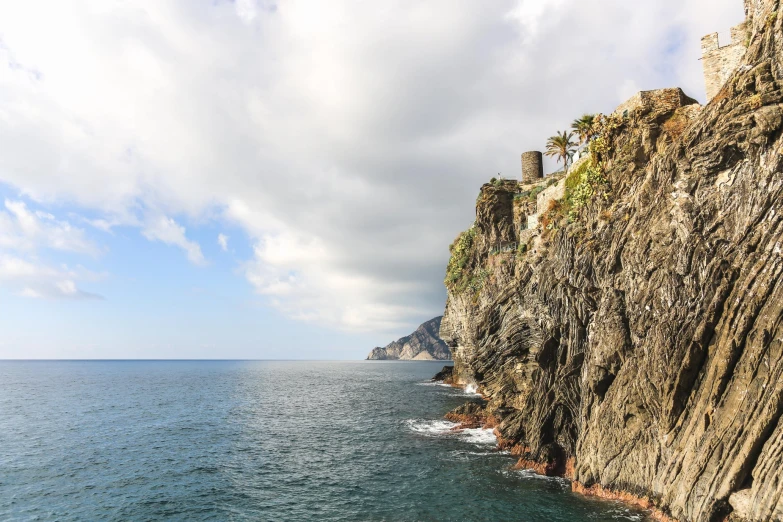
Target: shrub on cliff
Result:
[[583, 183], [535, 192], [460, 256], [460, 274]]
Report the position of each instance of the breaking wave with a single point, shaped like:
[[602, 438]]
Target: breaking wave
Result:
[[444, 428]]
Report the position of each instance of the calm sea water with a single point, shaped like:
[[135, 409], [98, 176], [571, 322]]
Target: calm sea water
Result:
[[332, 441]]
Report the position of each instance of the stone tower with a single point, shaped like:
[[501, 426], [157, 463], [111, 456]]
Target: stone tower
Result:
[[719, 62], [532, 166]]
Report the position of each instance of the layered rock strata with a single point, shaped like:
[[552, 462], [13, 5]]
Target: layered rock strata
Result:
[[634, 339]]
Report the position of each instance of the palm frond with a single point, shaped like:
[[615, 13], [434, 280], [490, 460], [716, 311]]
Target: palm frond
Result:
[[562, 147]]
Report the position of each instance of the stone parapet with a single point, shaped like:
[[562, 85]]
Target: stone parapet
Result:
[[719, 62]]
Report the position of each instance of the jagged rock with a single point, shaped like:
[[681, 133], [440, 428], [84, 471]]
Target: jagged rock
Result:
[[640, 339], [422, 345], [472, 415], [445, 375]]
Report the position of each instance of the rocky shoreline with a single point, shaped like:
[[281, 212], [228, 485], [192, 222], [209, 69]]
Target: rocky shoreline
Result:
[[473, 414]]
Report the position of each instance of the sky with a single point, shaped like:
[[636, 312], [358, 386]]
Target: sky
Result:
[[263, 180]]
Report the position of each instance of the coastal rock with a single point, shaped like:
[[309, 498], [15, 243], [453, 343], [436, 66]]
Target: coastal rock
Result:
[[637, 339], [445, 375], [472, 415], [422, 345]]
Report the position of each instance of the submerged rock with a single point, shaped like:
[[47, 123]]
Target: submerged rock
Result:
[[634, 339]]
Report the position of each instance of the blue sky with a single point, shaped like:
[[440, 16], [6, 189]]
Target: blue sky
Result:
[[338, 149], [143, 299]]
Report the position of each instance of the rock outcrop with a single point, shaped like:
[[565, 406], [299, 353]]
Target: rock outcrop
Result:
[[445, 375], [472, 415], [422, 345], [634, 339]]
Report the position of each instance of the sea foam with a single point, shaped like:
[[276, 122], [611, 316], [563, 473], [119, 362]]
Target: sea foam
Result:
[[435, 383], [479, 435], [444, 428], [431, 427]]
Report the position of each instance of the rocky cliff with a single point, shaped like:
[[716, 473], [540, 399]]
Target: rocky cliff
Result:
[[422, 345], [633, 339]]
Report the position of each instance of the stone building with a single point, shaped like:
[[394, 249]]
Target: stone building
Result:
[[660, 100], [720, 61], [532, 166]]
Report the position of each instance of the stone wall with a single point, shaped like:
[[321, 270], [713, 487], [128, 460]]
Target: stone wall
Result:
[[720, 61], [625, 108], [553, 193], [660, 100]]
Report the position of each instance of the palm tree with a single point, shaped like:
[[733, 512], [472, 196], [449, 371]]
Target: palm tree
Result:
[[584, 127], [562, 147]]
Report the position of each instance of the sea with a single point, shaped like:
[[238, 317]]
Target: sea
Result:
[[261, 441]]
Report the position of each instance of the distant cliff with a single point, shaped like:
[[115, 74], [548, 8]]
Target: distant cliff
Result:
[[422, 345], [631, 337]]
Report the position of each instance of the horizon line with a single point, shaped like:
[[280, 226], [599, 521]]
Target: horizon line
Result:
[[226, 360]]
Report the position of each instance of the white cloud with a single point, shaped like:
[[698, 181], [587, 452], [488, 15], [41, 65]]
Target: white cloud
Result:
[[307, 280], [531, 15], [166, 230], [101, 224], [109, 222], [33, 278], [347, 139], [23, 234], [29, 292], [222, 240], [247, 10], [23, 229]]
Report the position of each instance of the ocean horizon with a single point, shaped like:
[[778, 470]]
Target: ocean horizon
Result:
[[445, 361], [257, 440]]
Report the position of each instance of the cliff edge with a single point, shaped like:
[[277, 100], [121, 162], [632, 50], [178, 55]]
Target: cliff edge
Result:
[[422, 345], [631, 337]]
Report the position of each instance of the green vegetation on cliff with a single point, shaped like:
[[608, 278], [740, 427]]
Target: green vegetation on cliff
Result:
[[583, 182], [457, 273]]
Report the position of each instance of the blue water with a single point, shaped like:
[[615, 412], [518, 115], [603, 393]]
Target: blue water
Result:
[[322, 441]]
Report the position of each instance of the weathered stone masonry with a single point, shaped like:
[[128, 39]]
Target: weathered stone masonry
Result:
[[719, 62], [532, 166], [661, 100]]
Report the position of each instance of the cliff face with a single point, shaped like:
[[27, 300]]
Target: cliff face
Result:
[[636, 336], [422, 345]]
